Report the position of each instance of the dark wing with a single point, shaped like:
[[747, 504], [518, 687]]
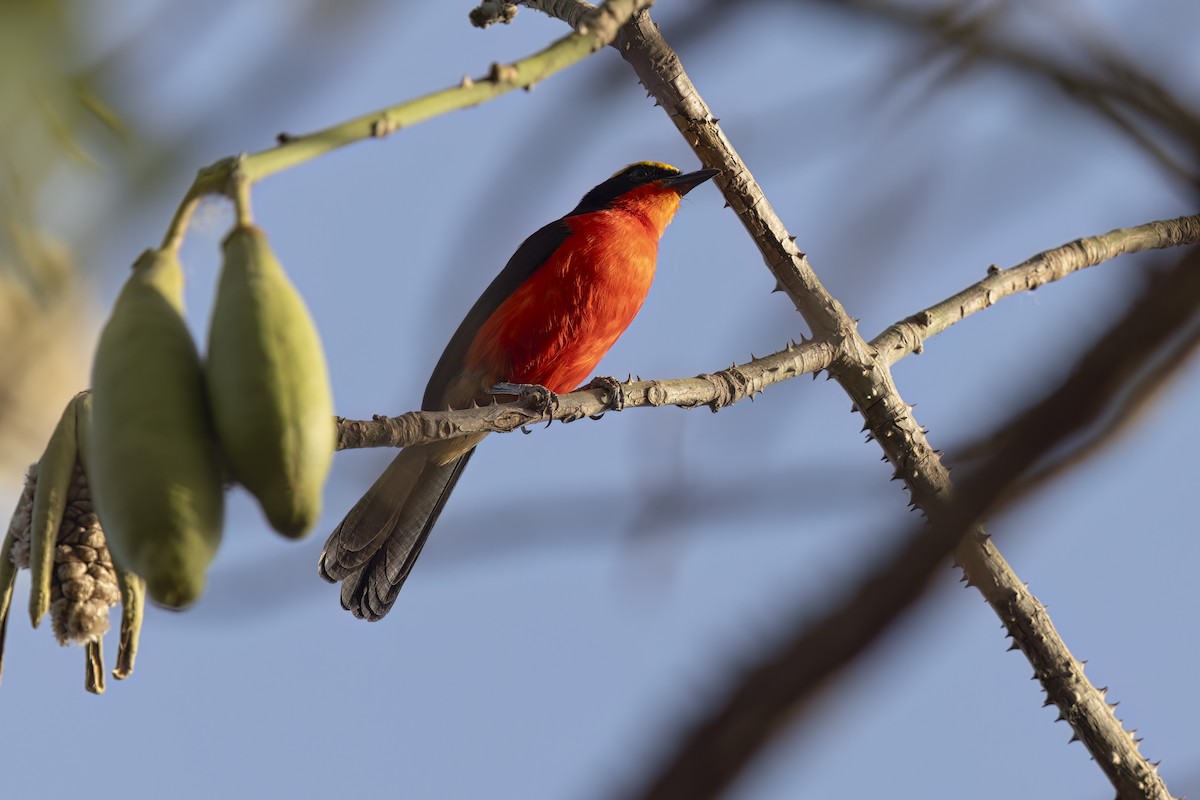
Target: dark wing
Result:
[[532, 253]]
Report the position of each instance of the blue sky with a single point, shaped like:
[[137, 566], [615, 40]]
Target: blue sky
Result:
[[590, 587]]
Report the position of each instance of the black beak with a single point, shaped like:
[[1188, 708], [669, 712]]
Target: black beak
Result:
[[688, 181]]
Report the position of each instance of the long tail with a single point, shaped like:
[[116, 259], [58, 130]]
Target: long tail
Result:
[[375, 546]]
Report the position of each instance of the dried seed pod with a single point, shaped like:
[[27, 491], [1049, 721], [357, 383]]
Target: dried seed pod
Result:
[[84, 585]]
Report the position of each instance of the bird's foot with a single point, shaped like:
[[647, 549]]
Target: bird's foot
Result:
[[614, 389], [533, 395]]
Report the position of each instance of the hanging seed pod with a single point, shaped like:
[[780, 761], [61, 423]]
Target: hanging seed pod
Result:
[[83, 582], [152, 457], [268, 386]]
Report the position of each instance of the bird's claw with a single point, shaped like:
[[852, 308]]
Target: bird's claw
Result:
[[537, 397], [615, 391]]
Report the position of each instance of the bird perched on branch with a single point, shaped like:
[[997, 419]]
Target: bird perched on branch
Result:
[[547, 319]]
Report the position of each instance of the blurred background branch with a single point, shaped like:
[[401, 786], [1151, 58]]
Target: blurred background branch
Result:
[[1050, 42]]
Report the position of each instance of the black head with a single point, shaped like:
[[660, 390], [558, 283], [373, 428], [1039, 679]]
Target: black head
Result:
[[636, 175]]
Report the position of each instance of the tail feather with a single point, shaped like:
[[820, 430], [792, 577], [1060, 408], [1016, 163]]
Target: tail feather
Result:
[[374, 548], [374, 517]]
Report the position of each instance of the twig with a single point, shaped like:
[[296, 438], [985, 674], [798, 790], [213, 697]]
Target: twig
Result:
[[909, 335], [716, 391], [1118, 376]]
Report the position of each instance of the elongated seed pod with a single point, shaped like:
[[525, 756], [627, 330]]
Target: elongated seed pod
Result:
[[151, 455], [268, 386], [55, 469]]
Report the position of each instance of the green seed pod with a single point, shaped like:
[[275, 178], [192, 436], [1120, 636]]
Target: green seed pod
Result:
[[268, 386], [151, 455]]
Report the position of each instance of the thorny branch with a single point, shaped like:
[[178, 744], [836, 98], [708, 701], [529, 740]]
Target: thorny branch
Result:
[[791, 673], [716, 391], [909, 335], [866, 377], [741, 381]]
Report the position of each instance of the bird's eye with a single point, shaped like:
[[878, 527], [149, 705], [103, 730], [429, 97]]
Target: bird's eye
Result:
[[639, 173]]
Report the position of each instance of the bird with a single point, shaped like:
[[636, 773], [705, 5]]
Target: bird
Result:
[[562, 300]]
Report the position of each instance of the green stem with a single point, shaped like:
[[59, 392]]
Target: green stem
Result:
[[501, 79], [239, 191], [213, 179], [232, 177]]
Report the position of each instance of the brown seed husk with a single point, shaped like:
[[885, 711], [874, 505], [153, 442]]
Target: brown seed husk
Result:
[[84, 586]]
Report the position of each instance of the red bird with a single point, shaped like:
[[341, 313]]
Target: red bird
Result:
[[547, 319]]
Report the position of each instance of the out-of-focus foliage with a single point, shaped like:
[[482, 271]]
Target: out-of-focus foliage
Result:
[[45, 111]]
